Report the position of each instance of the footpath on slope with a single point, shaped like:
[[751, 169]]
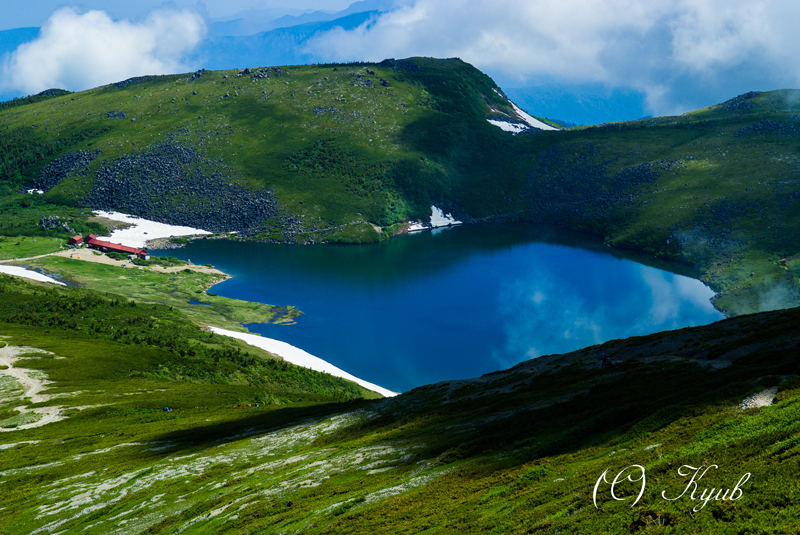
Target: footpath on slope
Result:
[[32, 383]]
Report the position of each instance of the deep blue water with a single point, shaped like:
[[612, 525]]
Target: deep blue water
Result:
[[454, 303]]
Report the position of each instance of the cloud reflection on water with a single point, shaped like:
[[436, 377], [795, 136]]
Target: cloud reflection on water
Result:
[[548, 311]]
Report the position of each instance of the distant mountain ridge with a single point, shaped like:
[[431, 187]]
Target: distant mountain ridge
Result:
[[281, 46], [255, 21]]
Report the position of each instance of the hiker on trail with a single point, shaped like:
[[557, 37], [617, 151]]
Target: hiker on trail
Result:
[[606, 361]]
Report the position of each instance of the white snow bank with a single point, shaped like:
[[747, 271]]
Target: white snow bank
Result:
[[529, 120], [438, 219], [144, 230], [509, 127], [28, 274], [301, 358], [40, 192], [534, 123]]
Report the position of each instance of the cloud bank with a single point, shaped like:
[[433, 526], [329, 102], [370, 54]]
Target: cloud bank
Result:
[[78, 51], [677, 52]]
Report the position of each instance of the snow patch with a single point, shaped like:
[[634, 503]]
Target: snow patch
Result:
[[40, 192], [438, 219], [534, 123], [514, 128], [144, 229], [301, 358], [28, 274]]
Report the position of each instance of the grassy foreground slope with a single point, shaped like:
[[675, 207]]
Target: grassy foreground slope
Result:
[[516, 451], [349, 153]]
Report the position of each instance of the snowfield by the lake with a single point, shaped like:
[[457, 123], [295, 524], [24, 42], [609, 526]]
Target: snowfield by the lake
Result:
[[438, 219], [297, 356], [144, 229], [28, 274]]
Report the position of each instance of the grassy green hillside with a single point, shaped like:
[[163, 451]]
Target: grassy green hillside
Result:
[[517, 451], [349, 153]]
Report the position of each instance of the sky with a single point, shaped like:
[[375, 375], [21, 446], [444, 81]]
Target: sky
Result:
[[679, 54]]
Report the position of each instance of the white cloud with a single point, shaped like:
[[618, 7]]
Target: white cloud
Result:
[[563, 38], [676, 52], [78, 51], [671, 293]]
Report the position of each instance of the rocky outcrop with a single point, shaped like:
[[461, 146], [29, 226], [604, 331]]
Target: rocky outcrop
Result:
[[75, 162], [563, 189], [266, 72], [359, 80], [138, 80], [401, 65], [769, 127], [172, 184], [740, 103], [53, 222]]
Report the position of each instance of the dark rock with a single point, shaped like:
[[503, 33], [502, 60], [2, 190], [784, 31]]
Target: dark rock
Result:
[[268, 72], [401, 65], [769, 127], [75, 162], [740, 103], [563, 188], [196, 75], [137, 80], [53, 93], [172, 183], [53, 222]]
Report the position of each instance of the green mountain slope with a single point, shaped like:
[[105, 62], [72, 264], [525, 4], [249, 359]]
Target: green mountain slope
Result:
[[350, 153], [517, 451]]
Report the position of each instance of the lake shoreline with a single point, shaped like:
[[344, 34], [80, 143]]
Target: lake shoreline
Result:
[[362, 305]]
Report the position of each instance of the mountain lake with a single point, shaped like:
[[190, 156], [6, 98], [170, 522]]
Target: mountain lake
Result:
[[457, 302]]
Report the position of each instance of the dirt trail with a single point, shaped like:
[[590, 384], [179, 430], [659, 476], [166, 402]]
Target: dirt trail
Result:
[[88, 255], [8, 260], [32, 385]]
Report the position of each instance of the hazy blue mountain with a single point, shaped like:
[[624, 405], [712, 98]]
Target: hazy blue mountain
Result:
[[255, 21], [579, 104], [283, 46], [263, 20]]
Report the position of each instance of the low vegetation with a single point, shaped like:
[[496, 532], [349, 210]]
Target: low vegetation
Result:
[[249, 445]]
